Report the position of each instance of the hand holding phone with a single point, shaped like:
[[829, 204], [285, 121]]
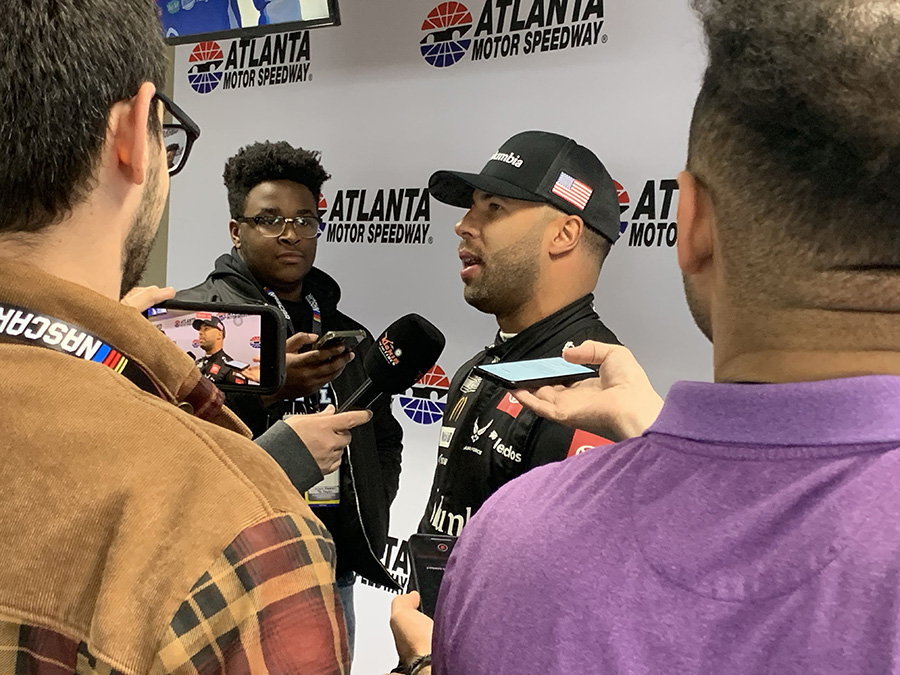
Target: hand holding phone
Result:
[[428, 554], [535, 373], [308, 371], [619, 404], [348, 338], [224, 340]]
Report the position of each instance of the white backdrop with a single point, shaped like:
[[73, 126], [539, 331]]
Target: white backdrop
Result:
[[385, 119]]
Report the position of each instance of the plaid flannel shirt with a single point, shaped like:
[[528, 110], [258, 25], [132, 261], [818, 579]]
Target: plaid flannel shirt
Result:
[[268, 604]]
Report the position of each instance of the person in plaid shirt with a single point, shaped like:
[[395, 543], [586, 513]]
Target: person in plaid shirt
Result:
[[141, 531]]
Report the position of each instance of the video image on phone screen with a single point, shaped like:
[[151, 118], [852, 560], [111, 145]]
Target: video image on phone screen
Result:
[[225, 347]]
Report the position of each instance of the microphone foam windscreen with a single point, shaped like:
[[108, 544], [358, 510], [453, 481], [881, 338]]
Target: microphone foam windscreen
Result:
[[403, 353]]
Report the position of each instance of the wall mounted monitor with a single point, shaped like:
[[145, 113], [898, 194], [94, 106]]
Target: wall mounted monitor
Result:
[[186, 21]]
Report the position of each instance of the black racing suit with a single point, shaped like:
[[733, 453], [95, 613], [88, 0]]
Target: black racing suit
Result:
[[216, 368], [370, 472], [488, 438]]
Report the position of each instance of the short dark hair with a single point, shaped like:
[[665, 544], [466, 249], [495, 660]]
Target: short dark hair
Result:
[[261, 162], [597, 245], [65, 63], [796, 131]]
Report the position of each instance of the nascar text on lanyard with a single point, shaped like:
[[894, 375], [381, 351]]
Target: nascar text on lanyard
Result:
[[25, 326]]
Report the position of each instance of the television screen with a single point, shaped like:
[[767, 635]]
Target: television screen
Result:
[[186, 21]]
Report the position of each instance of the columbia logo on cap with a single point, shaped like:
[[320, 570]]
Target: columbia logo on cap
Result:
[[507, 158]]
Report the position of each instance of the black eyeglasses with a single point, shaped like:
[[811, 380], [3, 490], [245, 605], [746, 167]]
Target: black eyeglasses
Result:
[[179, 134], [306, 227]]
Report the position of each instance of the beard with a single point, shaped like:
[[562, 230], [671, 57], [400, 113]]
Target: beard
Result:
[[142, 235], [699, 310], [507, 282]]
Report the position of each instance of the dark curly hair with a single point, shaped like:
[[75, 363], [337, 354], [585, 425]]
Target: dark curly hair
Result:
[[261, 162], [796, 134], [63, 65]]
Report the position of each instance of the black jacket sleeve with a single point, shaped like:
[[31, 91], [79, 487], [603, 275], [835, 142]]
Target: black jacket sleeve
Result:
[[287, 448], [389, 442]]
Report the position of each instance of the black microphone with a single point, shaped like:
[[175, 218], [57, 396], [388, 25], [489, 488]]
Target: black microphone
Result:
[[402, 354], [192, 355]]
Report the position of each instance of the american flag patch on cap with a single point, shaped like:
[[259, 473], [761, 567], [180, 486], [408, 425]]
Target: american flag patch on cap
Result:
[[572, 190]]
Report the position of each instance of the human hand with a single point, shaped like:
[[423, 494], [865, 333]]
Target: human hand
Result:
[[412, 630], [143, 298], [307, 372], [327, 433], [620, 403], [253, 373]]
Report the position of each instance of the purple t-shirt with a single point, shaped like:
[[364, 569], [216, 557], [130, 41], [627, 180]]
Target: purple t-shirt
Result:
[[753, 529]]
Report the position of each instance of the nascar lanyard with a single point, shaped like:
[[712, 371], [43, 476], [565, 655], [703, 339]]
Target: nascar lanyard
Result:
[[21, 325], [313, 305], [304, 401]]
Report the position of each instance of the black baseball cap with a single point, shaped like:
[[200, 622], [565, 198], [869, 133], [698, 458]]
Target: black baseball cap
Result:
[[212, 322], [539, 166]]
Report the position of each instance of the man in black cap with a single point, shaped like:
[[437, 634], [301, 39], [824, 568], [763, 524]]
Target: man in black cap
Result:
[[216, 365], [542, 217]]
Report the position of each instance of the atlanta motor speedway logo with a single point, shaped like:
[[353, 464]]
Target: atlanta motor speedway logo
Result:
[[423, 403], [245, 63], [377, 216], [509, 28], [652, 222]]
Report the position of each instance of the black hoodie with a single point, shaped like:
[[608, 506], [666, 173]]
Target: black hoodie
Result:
[[370, 473]]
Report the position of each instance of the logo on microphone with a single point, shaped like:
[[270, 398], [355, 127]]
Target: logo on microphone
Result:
[[205, 67], [390, 354], [423, 403], [445, 43]]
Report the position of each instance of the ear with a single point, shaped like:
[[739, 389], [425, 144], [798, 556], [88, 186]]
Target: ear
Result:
[[234, 229], [696, 219], [129, 138], [566, 233]]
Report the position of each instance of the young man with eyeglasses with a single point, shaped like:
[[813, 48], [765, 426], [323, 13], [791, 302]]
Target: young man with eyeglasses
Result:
[[140, 529], [273, 195]]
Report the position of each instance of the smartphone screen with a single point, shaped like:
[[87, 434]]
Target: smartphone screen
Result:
[[537, 372], [429, 555], [229, 345]]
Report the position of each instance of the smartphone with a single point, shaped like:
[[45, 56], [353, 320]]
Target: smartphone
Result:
[[333, 338], [239, 347], [428, 554], [535, 373]]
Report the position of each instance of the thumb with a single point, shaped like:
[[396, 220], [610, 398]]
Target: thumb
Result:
[[588, 353], [408, 601], [299, 340], [353, 418], [328, 412]]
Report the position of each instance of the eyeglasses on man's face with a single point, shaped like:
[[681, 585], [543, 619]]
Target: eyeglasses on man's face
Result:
[[306, 227], [179, 134]]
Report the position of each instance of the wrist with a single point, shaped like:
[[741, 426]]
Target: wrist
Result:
[[420, 665], [635, 421]]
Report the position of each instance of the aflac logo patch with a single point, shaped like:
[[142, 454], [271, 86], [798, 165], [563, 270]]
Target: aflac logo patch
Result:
[[205, 64], [423, 403], [447, 25]]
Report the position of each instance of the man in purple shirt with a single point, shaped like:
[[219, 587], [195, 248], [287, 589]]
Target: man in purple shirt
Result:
[[753, 527]]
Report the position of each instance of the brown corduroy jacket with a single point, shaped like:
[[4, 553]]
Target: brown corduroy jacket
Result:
[[137, 537]]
